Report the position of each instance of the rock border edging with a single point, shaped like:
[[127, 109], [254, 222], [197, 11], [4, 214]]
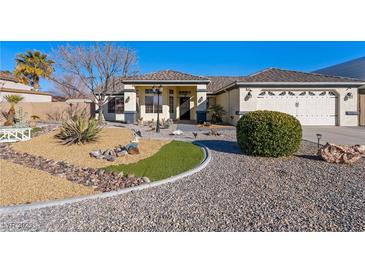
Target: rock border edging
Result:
[[43, 204]]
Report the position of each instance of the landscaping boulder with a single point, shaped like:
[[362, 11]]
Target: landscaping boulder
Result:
[[337, 154], [215, 132], [122, 153], [110, 158], [177, 132], [133, 150], [96, 153]]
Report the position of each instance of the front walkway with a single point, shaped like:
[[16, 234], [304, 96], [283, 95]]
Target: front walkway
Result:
[[233, 193], [337, 135]]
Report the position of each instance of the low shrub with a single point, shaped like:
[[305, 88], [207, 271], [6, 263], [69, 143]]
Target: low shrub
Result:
[[79, 130], [269, 133], [217, 112]]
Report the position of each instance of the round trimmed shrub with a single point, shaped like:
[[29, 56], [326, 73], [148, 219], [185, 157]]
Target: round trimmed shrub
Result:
[[269, 133]]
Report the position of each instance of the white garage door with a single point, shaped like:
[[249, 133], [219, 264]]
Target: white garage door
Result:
[[309, 107]]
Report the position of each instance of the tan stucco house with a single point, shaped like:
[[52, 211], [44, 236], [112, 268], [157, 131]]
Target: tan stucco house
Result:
[[183, 97], [315, 99], [10, 85]]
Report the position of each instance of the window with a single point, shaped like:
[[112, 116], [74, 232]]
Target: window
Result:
[[151, 103], [323, 93], [271, 93], [311, 93], [149, 91], [302, 93], [291, 93], [210, 101], [116, 105], [185, 93], [282, 93], [262, 93]]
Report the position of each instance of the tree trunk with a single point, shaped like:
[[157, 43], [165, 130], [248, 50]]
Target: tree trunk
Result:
[[11, 116], [101, 112]]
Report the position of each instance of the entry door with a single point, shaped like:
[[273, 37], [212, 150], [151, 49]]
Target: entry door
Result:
[[184, 108], [362, 109]]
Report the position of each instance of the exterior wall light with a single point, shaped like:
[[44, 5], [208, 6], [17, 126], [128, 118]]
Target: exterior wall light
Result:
[[200, 99], [248, 96], [127, 99], [349, 95]]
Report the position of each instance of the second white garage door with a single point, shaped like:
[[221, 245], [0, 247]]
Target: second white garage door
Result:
[[309, 107]]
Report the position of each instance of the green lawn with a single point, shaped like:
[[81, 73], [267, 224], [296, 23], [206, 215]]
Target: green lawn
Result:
[[173, 158]]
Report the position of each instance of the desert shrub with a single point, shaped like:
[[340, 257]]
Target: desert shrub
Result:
[[168, 123], [12, 100], [79, 130], [269, 133], [217, 113]]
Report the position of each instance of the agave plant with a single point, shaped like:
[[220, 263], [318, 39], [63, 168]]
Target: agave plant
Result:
[[79, 130]]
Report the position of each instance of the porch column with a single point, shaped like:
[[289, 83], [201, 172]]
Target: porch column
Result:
[[201, 108], [130, 103]]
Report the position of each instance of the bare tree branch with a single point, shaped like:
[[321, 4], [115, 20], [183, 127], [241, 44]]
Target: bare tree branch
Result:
[[98, 68]]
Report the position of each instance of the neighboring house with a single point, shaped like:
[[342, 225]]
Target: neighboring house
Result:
[[353, 69], [9, 85], [314, 99]]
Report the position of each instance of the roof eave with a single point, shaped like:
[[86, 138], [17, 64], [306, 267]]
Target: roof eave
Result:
[[287, 84], [301, 83], [166, 81]]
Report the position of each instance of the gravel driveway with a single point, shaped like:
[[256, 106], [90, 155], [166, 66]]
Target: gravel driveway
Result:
[[233, 193]]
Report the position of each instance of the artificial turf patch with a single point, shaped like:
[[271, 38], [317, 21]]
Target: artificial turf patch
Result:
[[172, 159]]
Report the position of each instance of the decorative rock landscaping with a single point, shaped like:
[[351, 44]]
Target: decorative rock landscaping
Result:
[[50, 147], [119, 151], [99, 179], [235, 192]]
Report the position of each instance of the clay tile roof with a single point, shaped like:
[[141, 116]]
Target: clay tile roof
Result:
[[167, 75], [218, 82], [281, 75], [8, 77]]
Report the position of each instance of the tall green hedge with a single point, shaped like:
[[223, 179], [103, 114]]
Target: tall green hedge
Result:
[[268, 133]]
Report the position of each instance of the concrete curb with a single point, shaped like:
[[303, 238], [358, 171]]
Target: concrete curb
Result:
[[37, 205]]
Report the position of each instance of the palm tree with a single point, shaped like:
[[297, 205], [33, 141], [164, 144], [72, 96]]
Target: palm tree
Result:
[[31, 66], [12, 100]]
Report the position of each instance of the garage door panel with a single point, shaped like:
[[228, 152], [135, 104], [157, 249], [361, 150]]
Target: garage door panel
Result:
[[309, 107]]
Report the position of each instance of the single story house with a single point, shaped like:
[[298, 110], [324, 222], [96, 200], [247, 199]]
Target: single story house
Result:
[[9, 85], [314, 99], [354, 69]]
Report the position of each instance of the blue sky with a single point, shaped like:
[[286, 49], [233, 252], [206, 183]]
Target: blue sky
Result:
[[214, 58]]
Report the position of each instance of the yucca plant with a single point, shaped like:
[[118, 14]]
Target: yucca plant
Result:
[[79, 130], [12, 100]]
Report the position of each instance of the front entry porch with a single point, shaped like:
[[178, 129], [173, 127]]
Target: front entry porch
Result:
[[185, 103], [168, 94]]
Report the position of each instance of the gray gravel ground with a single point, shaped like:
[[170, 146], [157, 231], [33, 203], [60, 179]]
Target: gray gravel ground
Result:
[[233, 193]]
